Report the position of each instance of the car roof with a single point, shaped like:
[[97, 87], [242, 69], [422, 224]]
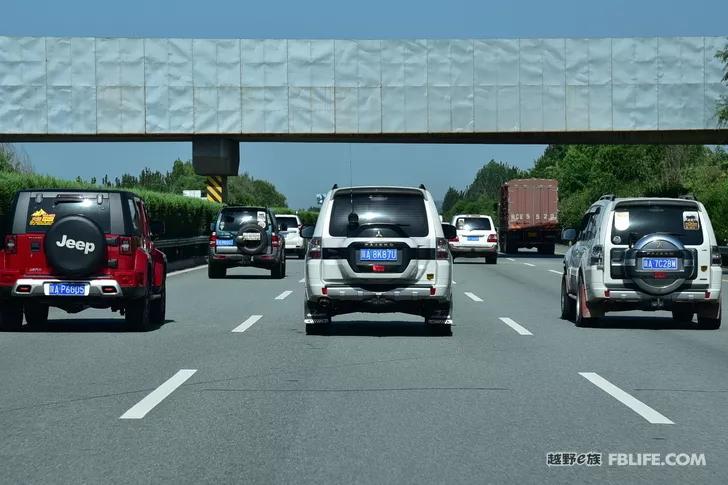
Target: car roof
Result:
[[244, 207], [649, 200], [82, 191], [472, 215], [383, 188]]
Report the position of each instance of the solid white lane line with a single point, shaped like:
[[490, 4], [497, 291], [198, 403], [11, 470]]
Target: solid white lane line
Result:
[[555, 272], [529, 264], [247, 323], [140, 409], [515, 326], [511, 259], [283, 295], [302, 280], [182, 271], [628, 400], [473, 296]]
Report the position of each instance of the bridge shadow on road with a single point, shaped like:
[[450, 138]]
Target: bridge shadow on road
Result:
[[359, 328], [88, 325]]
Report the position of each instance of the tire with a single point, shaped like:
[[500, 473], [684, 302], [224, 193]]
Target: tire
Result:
[[580, 320], [279, 270], [11, 316], [75, 247], [547, 249], [711, 321], [301, 253], [36, 315], [158, 308], [568, 305], [215, 271], [323, 320], [440, 330], [683, 315], [491, 260], [136, 314]]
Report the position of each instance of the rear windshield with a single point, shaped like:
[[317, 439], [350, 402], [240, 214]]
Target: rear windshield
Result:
[[473, 224], [289, 221], [41, 215], [635, 222], [232, 219], [379, 214]]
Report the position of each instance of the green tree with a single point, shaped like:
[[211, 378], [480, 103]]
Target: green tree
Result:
[[452, 196]]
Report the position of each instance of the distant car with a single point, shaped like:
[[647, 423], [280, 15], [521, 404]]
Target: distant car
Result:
[[294, 242], [379, 250], [476, 238], [78, 249], [246, 236], [643, 254]]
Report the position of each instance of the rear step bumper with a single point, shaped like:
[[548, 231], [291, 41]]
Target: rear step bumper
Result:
[[36, 288], [412, 293]]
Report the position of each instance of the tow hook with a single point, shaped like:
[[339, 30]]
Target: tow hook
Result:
[[658, 303]]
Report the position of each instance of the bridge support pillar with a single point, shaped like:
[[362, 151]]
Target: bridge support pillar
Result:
[[215, 156]]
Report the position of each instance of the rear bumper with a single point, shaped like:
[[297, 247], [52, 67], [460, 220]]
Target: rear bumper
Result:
[[37, 290], [407, 293], [260, 261], [474, 250], [412, 300]]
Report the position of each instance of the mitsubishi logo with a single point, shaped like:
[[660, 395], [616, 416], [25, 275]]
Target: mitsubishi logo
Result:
[[379, 233]]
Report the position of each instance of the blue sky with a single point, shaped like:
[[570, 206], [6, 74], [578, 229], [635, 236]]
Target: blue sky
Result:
[[301, 170]]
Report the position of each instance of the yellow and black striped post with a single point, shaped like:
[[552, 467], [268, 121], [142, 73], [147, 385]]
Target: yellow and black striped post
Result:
[[216, 188]]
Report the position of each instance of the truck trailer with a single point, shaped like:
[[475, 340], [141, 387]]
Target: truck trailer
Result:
[[529, 215]]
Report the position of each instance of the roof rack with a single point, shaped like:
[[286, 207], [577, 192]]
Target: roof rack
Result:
[[422, 186], [607, 197], [687, 197], [336, 186]]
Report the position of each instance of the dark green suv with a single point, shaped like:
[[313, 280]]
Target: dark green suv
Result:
[[246, 236]]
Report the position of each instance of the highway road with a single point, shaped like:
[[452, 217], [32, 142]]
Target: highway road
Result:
[[232, 390]]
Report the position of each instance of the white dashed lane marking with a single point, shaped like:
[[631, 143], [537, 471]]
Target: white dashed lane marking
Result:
[[628, 400], [555, 272], [302, 280], [247, 323], [515, 326], [511, 259], [529, 264], [283, 295], [182, 271], [140, 409], [473, 296]]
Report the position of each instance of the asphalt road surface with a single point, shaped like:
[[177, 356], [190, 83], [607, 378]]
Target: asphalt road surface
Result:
[[232, 390]]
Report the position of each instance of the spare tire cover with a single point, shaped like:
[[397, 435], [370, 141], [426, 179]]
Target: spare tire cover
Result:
[[669, 280], [248, 242], [75, 246]]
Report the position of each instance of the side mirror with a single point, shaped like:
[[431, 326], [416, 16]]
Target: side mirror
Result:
[[449, 231], [212, 227], [307, 232], [157, 228], [568, 235], [282, 226]]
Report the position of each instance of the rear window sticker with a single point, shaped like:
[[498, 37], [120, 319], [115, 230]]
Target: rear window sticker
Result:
[[261, 215], [621, 221], [41, 218], [691, 222]]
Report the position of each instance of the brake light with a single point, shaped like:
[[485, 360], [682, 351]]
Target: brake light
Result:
[[314, 248], [274, 241], [493, 238], [716, 259], [378, 268], [125, 245], [443, 248], [454, 239], [213, 240], [11, 245]]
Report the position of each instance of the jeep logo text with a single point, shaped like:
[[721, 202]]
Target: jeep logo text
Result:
[[86, 247]]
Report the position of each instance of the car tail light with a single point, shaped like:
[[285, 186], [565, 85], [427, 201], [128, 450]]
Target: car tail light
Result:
[[433, 291], [11, 245], [314, 248], [213, 240], [493, 238], [275, 241], [597, 255], [443, 249], [454, 239], [125, 245], [716, 259]]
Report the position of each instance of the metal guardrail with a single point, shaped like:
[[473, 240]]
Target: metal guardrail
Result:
[[181, 242]]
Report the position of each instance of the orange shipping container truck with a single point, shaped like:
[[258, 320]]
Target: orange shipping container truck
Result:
[[529, 215]]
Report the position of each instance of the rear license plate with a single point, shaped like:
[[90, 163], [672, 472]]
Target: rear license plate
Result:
[[225, 242], [67, 289], [251, 236], [378, 254], [662, 264], [473, 238]]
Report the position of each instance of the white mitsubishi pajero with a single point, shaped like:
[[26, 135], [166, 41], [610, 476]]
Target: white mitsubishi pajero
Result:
[[643, 254], [378, 250]]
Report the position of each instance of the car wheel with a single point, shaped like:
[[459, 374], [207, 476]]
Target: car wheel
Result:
[[11, 316], [36, 315], [568, 305], [301, 253], [682, 315], [581, 319], [440, 329], [215, 271], [283, 272], [710, 319], [136, 314], [277, 270], [491, 259], [158, 308], [322, 320]]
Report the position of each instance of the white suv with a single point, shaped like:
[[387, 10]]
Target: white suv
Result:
[[378, 250], [643, 254], [294, 242], [476, 237]]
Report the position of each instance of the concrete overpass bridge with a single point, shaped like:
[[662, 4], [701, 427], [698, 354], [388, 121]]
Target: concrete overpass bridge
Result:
[[219, 92]]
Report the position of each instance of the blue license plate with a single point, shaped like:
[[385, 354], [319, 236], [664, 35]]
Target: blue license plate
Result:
[[225, 242], [473, 238], [659, 264], [378, 255], [67, 289]]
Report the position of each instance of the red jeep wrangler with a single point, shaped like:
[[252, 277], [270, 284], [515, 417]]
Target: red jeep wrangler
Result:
[[78, 249]]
